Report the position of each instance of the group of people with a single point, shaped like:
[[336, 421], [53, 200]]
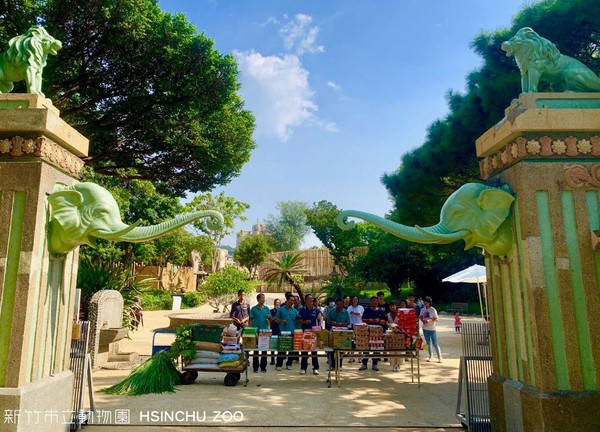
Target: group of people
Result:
[[339, 312]]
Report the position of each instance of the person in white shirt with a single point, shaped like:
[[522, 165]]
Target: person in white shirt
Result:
[[356, 312], [429, 317]]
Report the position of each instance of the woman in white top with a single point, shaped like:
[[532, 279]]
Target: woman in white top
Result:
[[429, 317], [355, 311]]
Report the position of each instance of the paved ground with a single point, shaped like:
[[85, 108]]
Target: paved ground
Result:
[[383, 400]]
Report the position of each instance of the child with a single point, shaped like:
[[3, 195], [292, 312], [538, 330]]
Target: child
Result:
[[457, 323]]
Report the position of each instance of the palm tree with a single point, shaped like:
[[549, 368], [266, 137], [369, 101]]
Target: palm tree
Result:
[[284, 269]]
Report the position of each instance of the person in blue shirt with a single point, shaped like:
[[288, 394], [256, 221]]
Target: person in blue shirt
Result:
[[274, 326], [308, 318], [286, 317], [338, 317], [373, 315], [260, 315]]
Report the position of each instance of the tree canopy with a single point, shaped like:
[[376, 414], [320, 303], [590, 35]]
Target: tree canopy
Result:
[[252, 252], [229, 207], [154, 97], [287, 230], [285, 269], [321, 218]]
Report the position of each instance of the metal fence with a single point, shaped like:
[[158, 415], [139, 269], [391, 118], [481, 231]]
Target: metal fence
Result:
[[82, 377], [475, 369]]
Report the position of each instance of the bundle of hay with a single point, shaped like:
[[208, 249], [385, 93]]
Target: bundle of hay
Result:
[[158, 374]]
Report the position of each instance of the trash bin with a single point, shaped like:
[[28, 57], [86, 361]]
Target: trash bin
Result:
[[176, 303]]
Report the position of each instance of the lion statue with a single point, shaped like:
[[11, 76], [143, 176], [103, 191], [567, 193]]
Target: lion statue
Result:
[[25, 59], [539, 59]]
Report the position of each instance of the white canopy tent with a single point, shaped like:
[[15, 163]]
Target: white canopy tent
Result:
[[474, 274]]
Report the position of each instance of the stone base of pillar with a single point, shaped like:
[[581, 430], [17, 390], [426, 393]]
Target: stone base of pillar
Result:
[[44, 405], [546, 412]]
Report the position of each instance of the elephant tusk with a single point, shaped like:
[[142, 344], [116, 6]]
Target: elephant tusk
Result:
[[434, 234], [109, 235], [440, 234], [140, 234]]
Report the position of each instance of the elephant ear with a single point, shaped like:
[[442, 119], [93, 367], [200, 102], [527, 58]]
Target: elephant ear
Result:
[[496, 206], [65, 207]]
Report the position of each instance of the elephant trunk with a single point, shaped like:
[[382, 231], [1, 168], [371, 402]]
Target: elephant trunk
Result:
[[434, 234], [140, 234]]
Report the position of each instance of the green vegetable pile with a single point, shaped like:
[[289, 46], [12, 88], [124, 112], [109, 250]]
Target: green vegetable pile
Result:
[[156, 375]]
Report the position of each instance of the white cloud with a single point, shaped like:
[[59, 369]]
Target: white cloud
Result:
[[277, 91], [328, 126], [299, 37], [276, 88], [334, 86]]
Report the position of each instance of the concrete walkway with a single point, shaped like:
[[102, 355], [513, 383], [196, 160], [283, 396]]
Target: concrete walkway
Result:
[[383, 400]]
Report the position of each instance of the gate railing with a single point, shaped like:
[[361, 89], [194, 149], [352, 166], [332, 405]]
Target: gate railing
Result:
[[475, 369]]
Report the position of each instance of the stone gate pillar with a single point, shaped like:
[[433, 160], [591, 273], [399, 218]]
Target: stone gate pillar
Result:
[[37, 149], [545, 298]]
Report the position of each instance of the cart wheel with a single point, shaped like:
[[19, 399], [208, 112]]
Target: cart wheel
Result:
[[230, 379], [237, 377], [188, 377]]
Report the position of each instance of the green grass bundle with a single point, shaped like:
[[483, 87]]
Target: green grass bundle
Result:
[[158, 374]]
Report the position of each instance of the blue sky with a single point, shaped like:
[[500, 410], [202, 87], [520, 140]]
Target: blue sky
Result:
[[340, 89]]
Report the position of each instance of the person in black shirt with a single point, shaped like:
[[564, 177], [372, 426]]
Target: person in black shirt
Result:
[[376, 316], [240, 311], [308, 318], [274, 326], [381, 301]]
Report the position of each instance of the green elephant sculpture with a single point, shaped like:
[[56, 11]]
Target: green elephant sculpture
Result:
[[84, 212], [475, 213]]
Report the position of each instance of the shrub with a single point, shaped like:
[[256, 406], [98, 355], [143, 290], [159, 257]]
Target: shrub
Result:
[[192, 299], [222, 287], [156, 300], [96, 276]]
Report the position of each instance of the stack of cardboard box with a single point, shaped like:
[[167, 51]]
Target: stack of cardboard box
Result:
[[376, 337], [361, 336]]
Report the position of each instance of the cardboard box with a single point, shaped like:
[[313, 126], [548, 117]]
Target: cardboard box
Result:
[[274, 342], [250, 331], [323, 337], [230, 339], [264, 342], [342, 339], [285, 343], [249, 342]]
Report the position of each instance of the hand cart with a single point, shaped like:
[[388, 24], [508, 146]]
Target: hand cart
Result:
[[212, 334], [156, 348], [189, 374]]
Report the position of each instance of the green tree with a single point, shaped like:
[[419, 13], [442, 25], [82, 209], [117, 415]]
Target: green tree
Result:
[[287, 269], [392, 261], [252, 252], [341, 244], [177, 246], [156, 99], [221, 287], [287, 230], [231, 209]]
